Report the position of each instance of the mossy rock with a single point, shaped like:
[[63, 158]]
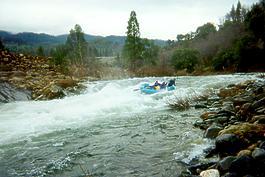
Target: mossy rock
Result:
[[245, 130]]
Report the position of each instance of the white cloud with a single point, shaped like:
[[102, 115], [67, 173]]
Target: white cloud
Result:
[[162, 19]]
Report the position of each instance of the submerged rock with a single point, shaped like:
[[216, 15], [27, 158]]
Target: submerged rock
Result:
[[200, 106], [201, 124], [208, 115]]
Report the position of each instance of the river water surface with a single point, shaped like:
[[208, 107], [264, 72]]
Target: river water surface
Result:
[[109, 130]]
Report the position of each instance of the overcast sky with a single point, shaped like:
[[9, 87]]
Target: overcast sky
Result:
[[159, 19]]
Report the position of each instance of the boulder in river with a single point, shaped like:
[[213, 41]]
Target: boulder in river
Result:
[[208, 115], [243, 165], [52, 91], [259, 103], [65, 83], [227, 92], [228, 144], [8, 93], [224, 164], [258, 154], [212, 131]]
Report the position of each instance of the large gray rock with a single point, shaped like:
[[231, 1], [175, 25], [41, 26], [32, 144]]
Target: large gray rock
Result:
[[9, 93], [53, 91], [258, 103], [212, 131], [243, 165], [224, 164], [228, 144], [258, 154]]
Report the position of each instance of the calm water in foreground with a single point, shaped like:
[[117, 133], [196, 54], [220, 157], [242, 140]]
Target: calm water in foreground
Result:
[[109, 130]]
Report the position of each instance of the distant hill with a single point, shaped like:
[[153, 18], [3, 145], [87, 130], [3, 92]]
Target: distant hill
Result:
[[29, 41]]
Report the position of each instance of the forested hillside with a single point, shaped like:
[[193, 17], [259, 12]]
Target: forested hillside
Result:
[[28, 42], [236, 44]]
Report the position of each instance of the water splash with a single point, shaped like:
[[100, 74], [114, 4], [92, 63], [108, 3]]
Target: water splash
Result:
[[101, 100]]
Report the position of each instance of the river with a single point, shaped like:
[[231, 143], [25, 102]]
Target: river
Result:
[[109, 130]]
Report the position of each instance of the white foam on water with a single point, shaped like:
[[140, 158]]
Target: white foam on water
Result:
[[103, 99], [21, 119]]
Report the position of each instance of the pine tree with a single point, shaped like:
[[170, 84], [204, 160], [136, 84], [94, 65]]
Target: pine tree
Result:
[[243, 14], [233, 14], [238, 12], [133, 45]]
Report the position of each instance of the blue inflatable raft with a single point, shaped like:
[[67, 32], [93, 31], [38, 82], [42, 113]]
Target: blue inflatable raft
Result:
[[147, 89]]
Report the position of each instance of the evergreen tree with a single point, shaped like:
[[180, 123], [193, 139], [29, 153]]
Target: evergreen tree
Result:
[[243, 14], [238, 12], [255, 20], [180, 37], [77, 45], [2, 47], [133, 45], [59, 55], [233, 14], [40, 51]]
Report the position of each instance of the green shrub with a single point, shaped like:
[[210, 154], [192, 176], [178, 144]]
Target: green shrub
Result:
[[224, 59], [185, 58]]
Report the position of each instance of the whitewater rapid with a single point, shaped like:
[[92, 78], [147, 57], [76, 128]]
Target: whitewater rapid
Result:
[[102, 99]]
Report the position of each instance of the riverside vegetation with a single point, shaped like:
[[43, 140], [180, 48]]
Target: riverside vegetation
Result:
[[236, 45]]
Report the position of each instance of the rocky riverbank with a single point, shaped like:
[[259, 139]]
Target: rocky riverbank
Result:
[[235, 120], [35, 75]]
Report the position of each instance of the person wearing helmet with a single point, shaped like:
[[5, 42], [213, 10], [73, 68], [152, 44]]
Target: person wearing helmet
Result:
[[171, 82]]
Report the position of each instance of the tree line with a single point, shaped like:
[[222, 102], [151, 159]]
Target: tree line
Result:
[[236, 46]]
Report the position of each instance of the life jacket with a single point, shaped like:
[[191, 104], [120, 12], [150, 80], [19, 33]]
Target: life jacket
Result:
[[157, 87]]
